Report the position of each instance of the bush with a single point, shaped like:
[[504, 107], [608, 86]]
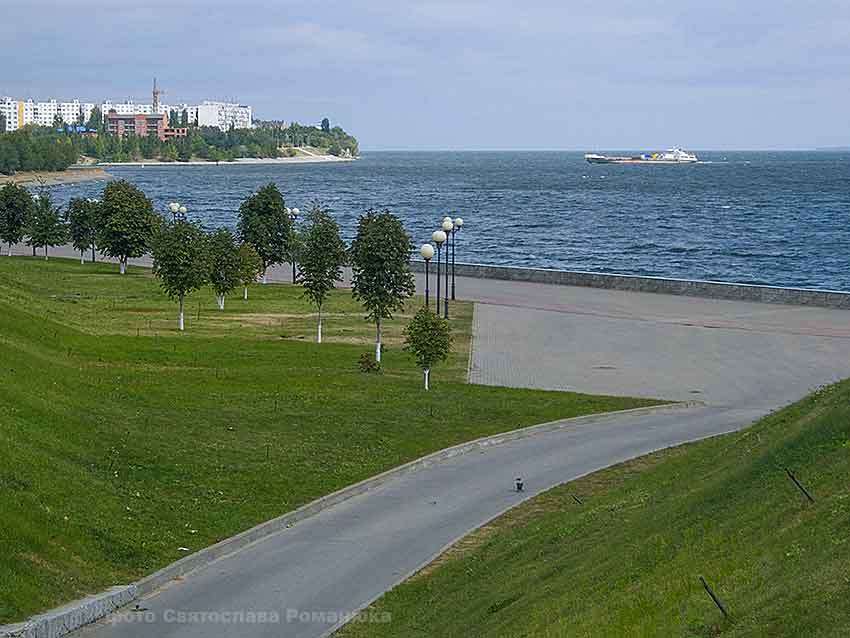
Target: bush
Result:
[[368, 364]]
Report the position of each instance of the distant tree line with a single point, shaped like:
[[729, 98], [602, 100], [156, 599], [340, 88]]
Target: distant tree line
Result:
[[34, 148], [51, 149]]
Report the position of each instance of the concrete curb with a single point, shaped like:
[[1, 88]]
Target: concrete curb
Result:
[[65, 619], [659, 285]]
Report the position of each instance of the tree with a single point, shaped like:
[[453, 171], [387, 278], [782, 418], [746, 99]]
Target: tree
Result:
[[265, 224], [428, 339], [83, 217], [180, 260], [128, 222], [45, 227], [15, 209], [225, 263], [380, 260], [95, 121], [326, 125], [250, 267], [322, 257]]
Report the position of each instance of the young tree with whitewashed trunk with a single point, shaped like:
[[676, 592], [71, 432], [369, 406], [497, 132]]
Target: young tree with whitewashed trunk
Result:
[[180, 261], [128, 222], [45, 226], [428, 339], [83, 217], [250, 268], [322, 256], [225, 263], [16, 205], [380, 264], [265, 224]]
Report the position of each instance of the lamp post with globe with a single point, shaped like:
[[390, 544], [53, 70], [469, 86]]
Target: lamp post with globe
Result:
[[448, 227], [427, 252], [293, 216], [458, 224], [439, 238], [176, 209]]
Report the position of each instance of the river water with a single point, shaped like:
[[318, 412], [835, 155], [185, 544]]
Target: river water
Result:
[[778, 218]]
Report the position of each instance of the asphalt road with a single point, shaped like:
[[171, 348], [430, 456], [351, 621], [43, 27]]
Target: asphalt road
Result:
[[741, 359]]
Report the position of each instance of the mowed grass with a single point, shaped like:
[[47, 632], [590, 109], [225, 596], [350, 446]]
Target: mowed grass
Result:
[[123, 441], [626, 560]]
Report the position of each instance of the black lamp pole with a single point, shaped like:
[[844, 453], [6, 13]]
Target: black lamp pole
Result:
[[446, 299], [427, 291], [454, 241], [439, 246]]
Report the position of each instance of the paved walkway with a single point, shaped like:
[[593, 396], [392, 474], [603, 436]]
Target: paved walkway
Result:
[[742, 359], [636, 344]]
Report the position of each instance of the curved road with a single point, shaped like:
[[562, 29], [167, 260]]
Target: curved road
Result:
[[740, 359]]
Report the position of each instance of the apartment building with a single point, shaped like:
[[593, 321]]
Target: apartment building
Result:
[[223, 115]]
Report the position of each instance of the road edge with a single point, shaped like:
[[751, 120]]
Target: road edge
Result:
[[63, 620]]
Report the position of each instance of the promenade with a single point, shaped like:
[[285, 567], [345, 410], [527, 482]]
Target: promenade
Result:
[[741, 360]]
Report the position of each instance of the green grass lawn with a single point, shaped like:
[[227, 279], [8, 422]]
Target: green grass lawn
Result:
[[626, 561], [123, 440]]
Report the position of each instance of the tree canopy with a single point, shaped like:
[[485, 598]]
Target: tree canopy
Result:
[[45, 226], [224, 262], [128, 221], [322, 256], [180, 262], [250, 266], [16, 206], [428, 339], [265, 224], [380, 263], [83, 216]]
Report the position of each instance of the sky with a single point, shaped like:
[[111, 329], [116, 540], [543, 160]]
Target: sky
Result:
[[432, 75]]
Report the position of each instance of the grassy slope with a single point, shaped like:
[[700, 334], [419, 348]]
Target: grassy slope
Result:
[[626, 562], [122, 440]]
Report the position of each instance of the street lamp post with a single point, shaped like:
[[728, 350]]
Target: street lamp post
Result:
[[93, 247], [176, 209], [293, 215], [458, 224], [427, 252], [448, 227], [439, 238]]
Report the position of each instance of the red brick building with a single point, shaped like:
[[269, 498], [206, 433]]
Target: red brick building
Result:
[[142, 124]]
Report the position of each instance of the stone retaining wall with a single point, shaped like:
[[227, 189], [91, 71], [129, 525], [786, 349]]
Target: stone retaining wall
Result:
[[687, 287]]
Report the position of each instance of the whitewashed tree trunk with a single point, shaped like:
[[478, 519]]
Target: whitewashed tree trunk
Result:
[[378, 342], [427, 378], [319, 335], [10, 250], [265, 279], [122, 267], [181, 313], [220, 300], [45, 253], [245, 293], [82, 256]]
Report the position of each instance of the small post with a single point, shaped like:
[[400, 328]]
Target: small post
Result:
[[713, 597], [799, 485]]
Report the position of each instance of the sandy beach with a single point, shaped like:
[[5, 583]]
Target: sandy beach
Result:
[[51, 178], [308, 159]]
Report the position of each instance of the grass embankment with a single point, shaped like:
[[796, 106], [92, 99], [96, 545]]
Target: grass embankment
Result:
[[626, 561], [123, 440]]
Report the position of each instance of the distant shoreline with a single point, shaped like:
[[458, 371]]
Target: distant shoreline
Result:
[[53, 178], [242, 161]]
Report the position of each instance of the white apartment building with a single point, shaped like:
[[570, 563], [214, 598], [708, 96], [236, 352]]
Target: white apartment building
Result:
[[9, 111], [224, 115]]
